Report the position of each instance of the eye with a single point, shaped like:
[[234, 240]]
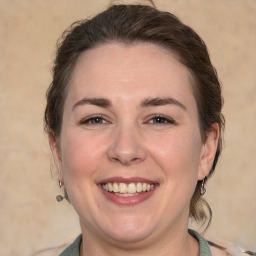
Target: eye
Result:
[[94, 120], [158, 119]]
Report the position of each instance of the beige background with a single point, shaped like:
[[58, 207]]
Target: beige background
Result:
[[30, 218]]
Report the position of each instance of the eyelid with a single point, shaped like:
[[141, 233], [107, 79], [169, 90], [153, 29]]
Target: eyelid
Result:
[[86, 120], [168, 120]]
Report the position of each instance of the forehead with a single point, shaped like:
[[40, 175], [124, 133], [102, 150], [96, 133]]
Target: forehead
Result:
[[114, 69]]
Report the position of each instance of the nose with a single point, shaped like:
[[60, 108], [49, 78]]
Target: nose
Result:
[[126, 147]]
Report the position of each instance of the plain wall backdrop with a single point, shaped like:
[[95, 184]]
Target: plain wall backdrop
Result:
[[30, 217]]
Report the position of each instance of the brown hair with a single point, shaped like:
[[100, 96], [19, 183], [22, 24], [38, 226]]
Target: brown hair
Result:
[[138, 23]]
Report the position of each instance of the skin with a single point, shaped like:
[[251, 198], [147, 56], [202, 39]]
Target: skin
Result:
[[127, 140]]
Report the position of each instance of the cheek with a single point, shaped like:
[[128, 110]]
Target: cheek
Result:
[[81, 154], [178, 155]]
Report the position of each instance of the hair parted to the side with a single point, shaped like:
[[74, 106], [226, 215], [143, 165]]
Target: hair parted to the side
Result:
[[130, 24]]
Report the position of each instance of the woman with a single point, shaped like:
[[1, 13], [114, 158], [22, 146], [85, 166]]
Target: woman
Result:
[[135, 126]]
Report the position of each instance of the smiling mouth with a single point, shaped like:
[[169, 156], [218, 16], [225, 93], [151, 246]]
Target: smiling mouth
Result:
[[127, 190]]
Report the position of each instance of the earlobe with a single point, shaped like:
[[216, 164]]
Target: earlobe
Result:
[[208, 151], [56, 153]]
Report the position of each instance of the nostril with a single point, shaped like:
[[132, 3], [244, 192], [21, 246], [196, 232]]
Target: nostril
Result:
[[125, 160], [127, 148]]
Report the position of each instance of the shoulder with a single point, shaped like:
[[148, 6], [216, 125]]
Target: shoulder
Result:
[[217, 251], [73, 249], [63, 250], [52, 251], [216, 247], [223, 248]]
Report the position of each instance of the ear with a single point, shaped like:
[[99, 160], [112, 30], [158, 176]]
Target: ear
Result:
[[208, 151], [56, 153]]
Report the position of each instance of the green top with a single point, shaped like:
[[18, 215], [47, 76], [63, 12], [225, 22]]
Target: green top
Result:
[[73, 249]]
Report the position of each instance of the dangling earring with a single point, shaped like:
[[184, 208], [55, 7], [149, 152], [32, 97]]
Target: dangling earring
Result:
[[203, 190], [59, 198]]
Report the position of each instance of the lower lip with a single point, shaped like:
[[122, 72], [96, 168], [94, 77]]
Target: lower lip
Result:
[[129, 200]]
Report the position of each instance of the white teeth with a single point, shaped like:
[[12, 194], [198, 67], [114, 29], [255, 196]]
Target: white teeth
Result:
[[126, 195], [123, 188], [109, 187], [131, 189], [144, 187], [139, 187], [115, 187]]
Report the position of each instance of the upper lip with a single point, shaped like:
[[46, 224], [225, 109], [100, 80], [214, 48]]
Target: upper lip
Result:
[[126, 180]]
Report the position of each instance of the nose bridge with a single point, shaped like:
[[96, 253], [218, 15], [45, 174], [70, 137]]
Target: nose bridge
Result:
[[127, 145]]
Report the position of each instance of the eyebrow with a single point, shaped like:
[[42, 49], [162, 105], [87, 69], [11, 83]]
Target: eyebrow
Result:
[[105, 103], [162, 102], [100, 102]]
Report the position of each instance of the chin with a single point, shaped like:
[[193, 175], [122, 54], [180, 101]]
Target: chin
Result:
[[128, 237], [129, 231]]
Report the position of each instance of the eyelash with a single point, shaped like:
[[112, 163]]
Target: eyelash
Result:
[[157, 119], [91, 120], [163, 120]]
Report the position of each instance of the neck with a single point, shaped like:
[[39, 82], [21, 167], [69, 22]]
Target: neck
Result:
[[176, 243]]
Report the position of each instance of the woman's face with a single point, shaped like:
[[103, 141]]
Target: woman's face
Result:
[[130, 124]]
